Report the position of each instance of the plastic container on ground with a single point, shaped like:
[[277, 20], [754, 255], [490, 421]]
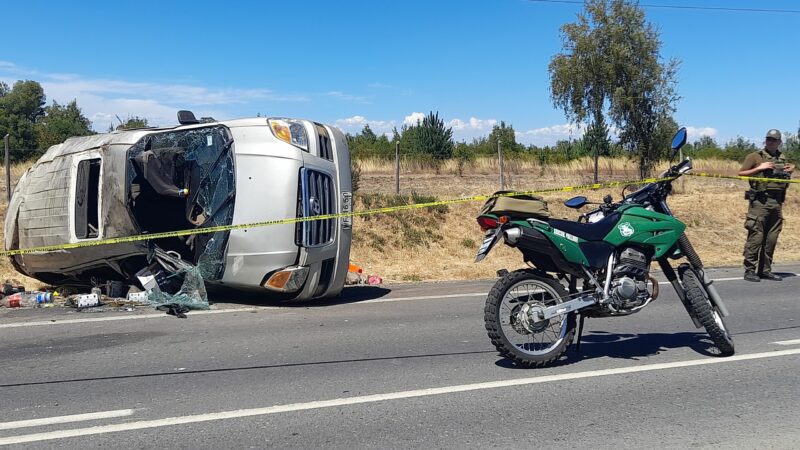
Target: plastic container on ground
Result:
[[27, 299]]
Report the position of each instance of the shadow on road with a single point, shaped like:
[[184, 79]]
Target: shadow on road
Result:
[[785, 274], [599, 344], [350, 294]]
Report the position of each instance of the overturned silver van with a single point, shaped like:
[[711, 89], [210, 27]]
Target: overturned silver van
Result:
[[193, 176]]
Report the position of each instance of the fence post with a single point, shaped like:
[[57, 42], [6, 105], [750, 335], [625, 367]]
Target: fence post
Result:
[[8, 171], [502, 173], [397, 167]]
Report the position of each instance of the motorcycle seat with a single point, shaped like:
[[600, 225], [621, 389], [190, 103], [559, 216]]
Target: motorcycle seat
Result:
[[587, 231]]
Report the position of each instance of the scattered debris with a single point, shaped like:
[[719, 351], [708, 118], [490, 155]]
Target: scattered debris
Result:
[[356, 275]]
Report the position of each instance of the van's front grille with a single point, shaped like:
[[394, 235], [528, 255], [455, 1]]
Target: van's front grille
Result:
[[325, 148], [317, 194]]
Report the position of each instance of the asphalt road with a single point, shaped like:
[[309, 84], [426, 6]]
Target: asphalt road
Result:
[[403, 366]]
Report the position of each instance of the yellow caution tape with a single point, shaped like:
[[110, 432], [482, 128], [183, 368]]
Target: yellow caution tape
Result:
[[390, 209], [737, 177]]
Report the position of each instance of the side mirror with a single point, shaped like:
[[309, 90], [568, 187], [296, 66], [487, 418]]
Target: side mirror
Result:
[[679, 140], [576, 202]]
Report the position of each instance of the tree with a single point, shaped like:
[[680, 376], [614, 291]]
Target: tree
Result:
[[20, 107], [706, 142], [596, 141], [506, 136], [610, 65], [434, 139], [132, 122], [368, 134], [463, 156], [61, 122]]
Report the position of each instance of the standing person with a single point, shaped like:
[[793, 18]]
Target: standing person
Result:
[[764, 216]]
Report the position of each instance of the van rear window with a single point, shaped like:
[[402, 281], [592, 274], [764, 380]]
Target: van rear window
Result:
[[87, 198]]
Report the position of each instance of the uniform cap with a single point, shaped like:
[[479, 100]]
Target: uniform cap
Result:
[[774, 134]]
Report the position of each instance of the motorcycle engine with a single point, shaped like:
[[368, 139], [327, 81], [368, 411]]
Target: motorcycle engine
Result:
[[629, 280]]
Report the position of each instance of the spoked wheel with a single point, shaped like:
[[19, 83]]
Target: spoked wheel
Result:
[[707, 314], [511, 303]]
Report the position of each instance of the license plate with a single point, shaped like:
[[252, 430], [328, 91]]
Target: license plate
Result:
[[347, 208], [488, 243]]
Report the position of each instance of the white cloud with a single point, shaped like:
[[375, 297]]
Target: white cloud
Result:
[[413, 118], [349, 98], [696, 133], [355, 124], [552, 134], [101, 99], [472, 124]]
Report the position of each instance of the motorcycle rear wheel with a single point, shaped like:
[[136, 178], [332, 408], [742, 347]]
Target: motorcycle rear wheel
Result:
[[707, 314], [528, 345]]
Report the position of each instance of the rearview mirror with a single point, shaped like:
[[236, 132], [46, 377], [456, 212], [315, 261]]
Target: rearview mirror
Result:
[[576, 202], [679, 140]]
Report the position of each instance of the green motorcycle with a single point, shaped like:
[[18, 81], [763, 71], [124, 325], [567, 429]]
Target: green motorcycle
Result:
[[598, 266]]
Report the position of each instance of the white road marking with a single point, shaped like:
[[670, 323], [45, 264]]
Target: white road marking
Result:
[[240, 413], [66, 419], [792, 342], [423, 297], [131, 317], [716, 280]]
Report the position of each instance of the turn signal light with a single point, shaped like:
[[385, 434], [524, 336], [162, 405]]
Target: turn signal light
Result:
[[279, 280]]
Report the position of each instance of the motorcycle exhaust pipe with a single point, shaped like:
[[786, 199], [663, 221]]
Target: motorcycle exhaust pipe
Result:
[[512, 235]]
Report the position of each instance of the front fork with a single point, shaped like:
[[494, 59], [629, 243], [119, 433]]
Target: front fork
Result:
[[673, 279], [695, 265]]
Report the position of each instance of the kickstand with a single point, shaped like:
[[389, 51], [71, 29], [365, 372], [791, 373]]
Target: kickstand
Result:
[[580, 333]]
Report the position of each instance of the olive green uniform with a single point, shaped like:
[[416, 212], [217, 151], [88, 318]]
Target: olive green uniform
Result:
[[764, 217]]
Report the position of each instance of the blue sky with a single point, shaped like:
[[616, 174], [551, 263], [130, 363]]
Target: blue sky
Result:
[[352, 63]]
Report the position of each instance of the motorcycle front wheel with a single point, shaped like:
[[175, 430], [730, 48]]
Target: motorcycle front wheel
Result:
[[510, 301], [707, 314]]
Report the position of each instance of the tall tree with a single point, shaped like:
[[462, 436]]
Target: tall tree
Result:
[[507, 136], [20, 107], [596, 141], [434, 138], [610, 65], [61, 122]]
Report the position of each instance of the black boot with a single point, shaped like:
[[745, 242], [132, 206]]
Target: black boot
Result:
[[749, 275], [769, 276]]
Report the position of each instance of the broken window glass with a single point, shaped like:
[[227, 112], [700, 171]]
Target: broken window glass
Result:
[[185, 180]]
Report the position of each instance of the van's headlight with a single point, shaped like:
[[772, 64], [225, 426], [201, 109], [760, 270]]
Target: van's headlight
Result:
[[290, 131]]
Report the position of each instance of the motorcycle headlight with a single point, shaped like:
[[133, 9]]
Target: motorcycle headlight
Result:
[[290, 131]]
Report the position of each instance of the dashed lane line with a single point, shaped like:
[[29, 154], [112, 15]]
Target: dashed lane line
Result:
[[66, 419]]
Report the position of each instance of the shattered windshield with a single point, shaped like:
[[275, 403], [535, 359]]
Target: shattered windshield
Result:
[[182, 180]]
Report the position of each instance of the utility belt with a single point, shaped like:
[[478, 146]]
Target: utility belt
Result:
[[762, 196]]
